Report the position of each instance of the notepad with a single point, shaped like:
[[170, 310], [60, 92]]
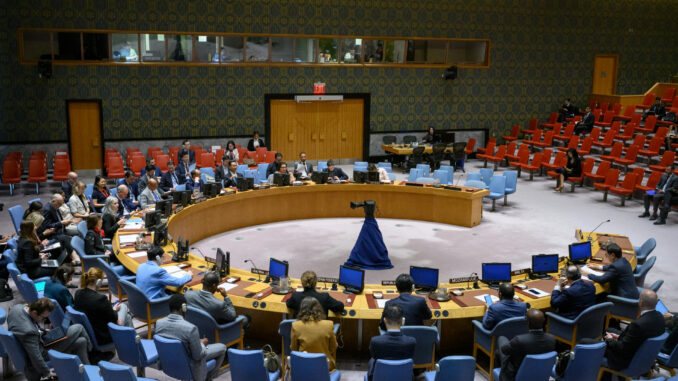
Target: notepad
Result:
[[137, 254], [381, 303], [135, 220], [129, 238], [228, 286], [592, 271], [132, 226]]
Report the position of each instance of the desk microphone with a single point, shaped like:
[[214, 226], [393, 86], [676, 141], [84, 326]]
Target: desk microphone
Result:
[[255, 266], [604, 222], [200, 251], [459, 180], [475, 282]]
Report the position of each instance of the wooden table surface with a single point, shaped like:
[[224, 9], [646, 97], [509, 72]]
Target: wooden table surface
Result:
[[406, 149]]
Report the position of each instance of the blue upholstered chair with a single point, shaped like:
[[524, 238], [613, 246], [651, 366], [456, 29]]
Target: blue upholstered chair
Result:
[[82, 228], [450, 171], [113, 191], [486, 175], [16, 212], [174, 360], [654, 286], [285, 330], [385, 164], [311, 366], [144, 309], [15, 351], [322, 165], [442, 176], [425, 169], [460, 368], [644, 250], [78, 317], [669, 361], [3, 352], [474, 176], [425, 350], [642, 360], [240, 170], [624, 309], [209, 171], [36, 199], [180, 187], [90, 260], [113, 279], [392, 370], [228, 334], [425, 180], [89, 189], [415, 173], [533, 368], [132, 349], [586, 363], [511, 184], [116, 372], [69, 367], [249, 366], [28, 290], [641, 271], [261, 173], [497, 188], [58, 316], [588, 324], [474, 184], [486, 340]]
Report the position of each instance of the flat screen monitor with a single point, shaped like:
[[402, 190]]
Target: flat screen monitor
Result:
[[223, 263], [425, 278], [151, 219], [319, 177], [241, 184], [359, 177], [373, 177], [164, 207], [495, 273], [446, 137], [281, 179], [353, 279], [250, 182], [277, 269], [580, 252], [544, 263]]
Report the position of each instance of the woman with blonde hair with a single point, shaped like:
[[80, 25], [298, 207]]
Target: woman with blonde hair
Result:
[[312, 333], [78, 202]]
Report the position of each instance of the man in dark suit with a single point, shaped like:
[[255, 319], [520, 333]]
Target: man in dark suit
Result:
[[657, 109], [221, 310], [505, 308], [54, 221], [566, 110], [586, 124], [255, 142], [171, 178], [415, 309], [570, 301], [183, 168], [511, 353], [221, 171], [392, 345], [308, 281], [131, 183], [125, 204], [618, 274], [667, 191], [226, 173], [186, 149], [274, 166], [335, 173], [67, 186], [303, 169], [195, 182]]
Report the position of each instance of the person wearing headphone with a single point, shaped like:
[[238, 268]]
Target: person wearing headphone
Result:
[[57, 287], [415, 309], [98, 309], [152, 279], [572, 295], [174, 326], [221, 310]]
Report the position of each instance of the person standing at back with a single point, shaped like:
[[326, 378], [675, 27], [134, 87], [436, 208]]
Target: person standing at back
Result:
[[415, 309], [308, 282], [186, 149], [504, 309]]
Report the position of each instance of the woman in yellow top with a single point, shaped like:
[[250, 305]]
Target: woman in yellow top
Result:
[[312, 333]]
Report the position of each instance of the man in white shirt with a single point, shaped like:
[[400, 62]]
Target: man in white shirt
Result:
[[303, 170]]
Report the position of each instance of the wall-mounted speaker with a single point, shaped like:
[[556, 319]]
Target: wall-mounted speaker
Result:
[[450, 73], [45, 69]]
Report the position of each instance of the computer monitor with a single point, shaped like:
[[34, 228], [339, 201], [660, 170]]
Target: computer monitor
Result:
[[425, 278], [543, 264], [580, 252], [250, 182], [151, 219], [223, 263], [281, 179], [446, 137], [359, 177], [277, 269], [211, 190], [373, 177], [164, 207], [353, 279], [319, 177], [495, 273]]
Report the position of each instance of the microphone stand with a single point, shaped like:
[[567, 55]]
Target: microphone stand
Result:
[[255, 266], [596, 228]]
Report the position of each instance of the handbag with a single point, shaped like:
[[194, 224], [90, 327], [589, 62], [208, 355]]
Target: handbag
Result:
[[271, 359], [562, 361]]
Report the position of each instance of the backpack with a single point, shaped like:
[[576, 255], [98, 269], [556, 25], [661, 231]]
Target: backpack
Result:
[[562, 361], [5, 291]]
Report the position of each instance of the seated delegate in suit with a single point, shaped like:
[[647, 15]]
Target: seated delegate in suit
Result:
[[78, 202], [312, 333], [392, 345], [275, 165], [231, 151], [283, 170], [131, 182], [308, 281], [71, 229], [54, 221], [152, 278], [57, 287], [512, 352], [414, 307], [98, 308], [100, 193], [146, 174], [171, 178], [571, 295], [150, 195], [29, 258], [383, 175], [195, 182], [221, 310], [110, 220], [125, 204], [586, 124], [225, 173], [174, 326], [618, 274], [25, 322], [335, 173], [69, 183], [255, 142], [302, 169], [566, 111], [658, 108], [671, 322], [572, 169], [505, 308], [183, 168], [186, 149], [666, 191], [94, 245]]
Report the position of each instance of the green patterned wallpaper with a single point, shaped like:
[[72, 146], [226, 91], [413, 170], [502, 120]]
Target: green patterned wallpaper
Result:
[[542, 51]]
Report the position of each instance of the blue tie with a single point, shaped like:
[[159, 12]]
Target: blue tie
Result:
[[155, 195]]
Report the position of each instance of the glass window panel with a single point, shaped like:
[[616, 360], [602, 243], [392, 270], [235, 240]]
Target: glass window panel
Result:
[[67, 46], [351, 49], [304, 50], [394, 51], [329, 50], [152, 47], [467, 52], [180, 47], [257, 49], [95, 46], [422, 51], [206, 48], [125, 47], [231, 49], [281, 49], [37, 45], [374, 51]]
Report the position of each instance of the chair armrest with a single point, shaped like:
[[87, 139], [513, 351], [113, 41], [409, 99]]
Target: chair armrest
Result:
[[95, 256], [43, 279], [240, 319], [619, 299], [164, 299], [129, 278], [560, 319], [479, 326]]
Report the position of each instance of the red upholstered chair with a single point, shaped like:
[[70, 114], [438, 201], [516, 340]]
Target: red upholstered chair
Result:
[[673, 104], [130, 150], [595, 134], [514, 134], [629, 131], [174, 153], [534, 123], [607, 120], [615, 152], [536, 137], [617, 107], [558, 162], [647, 102], [206, 160], [638, 141], [651, 183], [661, 133], [606, 142], [586, 166], [491, 142], [628, 159], [523, 157], [161, 162], [11, 173], [486, 152], [652, 149], [574, 142], [611, 178], [648, 127], [37, 172], [154, 149], [565, 137], [139, 157], [640, 173], [600, 173], [62, 166], [470, 145], [535, 165], [628, 113], [197, 150], [552, 121], [635, 119], [546, 157], [115, 168], [511, 150], [669, 93], [138, 163], [585, 148], [219, 154], [667, 158], [498, 157], [270, 156], [625, 189], [516, 156], [605, 106]]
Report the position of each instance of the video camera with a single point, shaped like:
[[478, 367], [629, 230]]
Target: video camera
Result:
[[369, 205]]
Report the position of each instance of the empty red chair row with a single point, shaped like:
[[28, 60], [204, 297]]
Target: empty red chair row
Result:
[[515, 131]]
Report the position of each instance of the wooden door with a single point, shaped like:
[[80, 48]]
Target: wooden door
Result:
[[605, 74], [85, 134]]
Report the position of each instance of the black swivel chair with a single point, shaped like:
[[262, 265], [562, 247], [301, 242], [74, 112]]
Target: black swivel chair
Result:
[[458, 155], [417, 157], [437, 156], [409, 139]]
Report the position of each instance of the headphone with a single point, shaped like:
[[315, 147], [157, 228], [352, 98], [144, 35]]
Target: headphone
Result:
[[64, 276], [99, 283], [184, 307]]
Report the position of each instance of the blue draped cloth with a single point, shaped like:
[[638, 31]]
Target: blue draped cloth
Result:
[[369, 251]]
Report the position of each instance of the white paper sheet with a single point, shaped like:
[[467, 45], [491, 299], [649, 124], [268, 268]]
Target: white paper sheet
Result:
[[129, 238], [228, 286], [592, 271], [132, 226], [137, 254], [537, 292], [179, 274], [381, 303], [171, 269]]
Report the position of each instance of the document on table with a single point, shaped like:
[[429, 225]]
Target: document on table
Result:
[[381, 303], [228, 286], [176, 272], [129, 238], [495, 298], [592, 271], [137, 254], [537, 292], [132, 226]]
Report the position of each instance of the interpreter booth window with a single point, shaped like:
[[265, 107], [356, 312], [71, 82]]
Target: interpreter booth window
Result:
[[426, 51], [467, 53], [374, 51], [231, 49], [180, 48], [328, 50], [257, 49], [67, 46], [125, 47], [95, 46], [394, 51], [37, 45], [152, 47], [282, 49], [206, 48], [304, 50], [351, 49]]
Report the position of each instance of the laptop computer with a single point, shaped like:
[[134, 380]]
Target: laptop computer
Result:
[[50, 263]]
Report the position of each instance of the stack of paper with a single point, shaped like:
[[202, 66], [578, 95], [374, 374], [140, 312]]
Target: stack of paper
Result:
[[592, 271], [176, 272], [137, 254], [128, 238], [381, 303], [227, 286], [133, 226]]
